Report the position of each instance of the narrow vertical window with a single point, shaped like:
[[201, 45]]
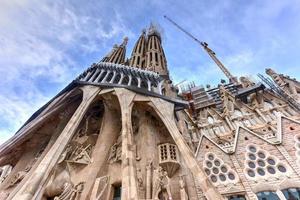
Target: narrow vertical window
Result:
[[140, 48], [150, 43], [117, 193], [162, 62]]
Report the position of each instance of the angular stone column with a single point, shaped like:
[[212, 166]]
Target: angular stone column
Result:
[[129, 184], [108, 134], [165, 111], [41, 173]]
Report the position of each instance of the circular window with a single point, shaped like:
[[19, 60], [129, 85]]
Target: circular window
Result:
[[251, 164], [252, 149], [251, 173], [210, 157], [215, 170], [222, 177], [207, 171], [224, 169], [271, 161], [261, 172], [261, 163], [209, 164], [252, 156], [213, 178], [281, 168], [271, 170], [261, 155], [217, 162], [231, 176]]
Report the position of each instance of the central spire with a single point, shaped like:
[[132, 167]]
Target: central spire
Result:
[[155, 56], [148, 52]]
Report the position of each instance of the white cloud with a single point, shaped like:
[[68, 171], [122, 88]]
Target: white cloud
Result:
[[39, 44], [44, 44]]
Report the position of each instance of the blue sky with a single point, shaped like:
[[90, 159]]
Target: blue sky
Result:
[[44, 44]]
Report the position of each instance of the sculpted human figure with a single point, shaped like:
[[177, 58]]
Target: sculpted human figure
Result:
[[161, 184], [140, 179], [18, 177], [70, 192], [115, 151], [64, 156], [82, 155], [183, 194], [4, 172]]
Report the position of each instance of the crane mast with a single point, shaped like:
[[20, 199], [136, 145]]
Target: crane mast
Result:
[[210, 52]]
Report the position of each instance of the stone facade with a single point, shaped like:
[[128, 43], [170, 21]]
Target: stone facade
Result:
[[122, 131]]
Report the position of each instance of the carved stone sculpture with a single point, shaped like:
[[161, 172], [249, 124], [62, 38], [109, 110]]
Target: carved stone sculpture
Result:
[[77, 154], [4, 172], [60, 186], [99, 188], [148, 178], [140, 179], [115, 151], [183, 194], [18, 177], [66, 154], [161, 185], [70, 192], [82, 155]]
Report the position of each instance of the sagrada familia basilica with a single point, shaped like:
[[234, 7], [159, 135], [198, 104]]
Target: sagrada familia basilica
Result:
[[123, 130]]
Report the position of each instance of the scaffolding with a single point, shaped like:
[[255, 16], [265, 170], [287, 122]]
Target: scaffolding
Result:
[[279, 91]]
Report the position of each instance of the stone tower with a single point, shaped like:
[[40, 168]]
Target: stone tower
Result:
[[138, 56], [120, 130]]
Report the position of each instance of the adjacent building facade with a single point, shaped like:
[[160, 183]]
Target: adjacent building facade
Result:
[[122, 130]]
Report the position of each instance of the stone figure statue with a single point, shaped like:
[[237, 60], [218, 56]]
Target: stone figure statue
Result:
[[70, 192], [116, 151], [18, 177], [161, 185], [183, 194]]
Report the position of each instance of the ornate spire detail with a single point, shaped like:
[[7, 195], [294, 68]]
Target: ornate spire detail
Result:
[[138, 54], [153, 31], [107, 57], [155, 56], [117, 54]]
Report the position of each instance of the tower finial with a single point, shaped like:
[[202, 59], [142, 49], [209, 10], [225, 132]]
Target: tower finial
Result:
[[117, 54], [125, 41], [153, 30]]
